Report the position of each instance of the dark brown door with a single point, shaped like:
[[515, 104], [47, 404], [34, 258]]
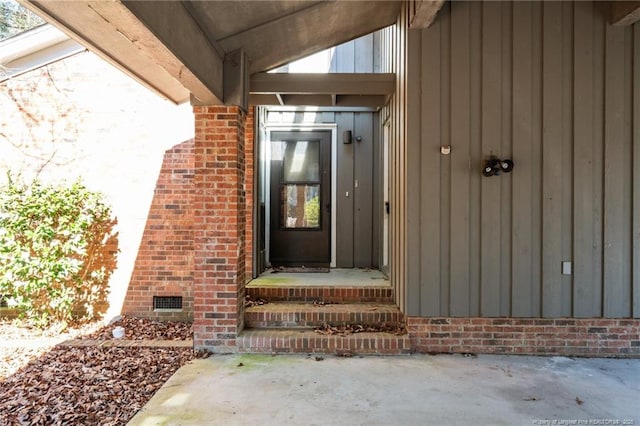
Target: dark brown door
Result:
[[300, 210]]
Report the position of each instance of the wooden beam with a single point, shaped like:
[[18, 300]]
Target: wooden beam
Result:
[[175, 30], [273, 99], [624, 12], [423, 12], [236, 79], [320, 100], [326, 84], [97, 28]]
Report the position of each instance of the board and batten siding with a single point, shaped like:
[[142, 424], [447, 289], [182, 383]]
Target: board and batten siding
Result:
[[555, 88], [393, 58], [359, 221]]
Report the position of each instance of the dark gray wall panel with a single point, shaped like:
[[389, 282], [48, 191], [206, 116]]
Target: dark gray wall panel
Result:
[[506, 150], [363, 190], [552, 142], [344, 196], [491, 140], [587, 155], [553, 86], [460, 160], [567, 157], [444, 228], [617, 290], [475, 154], [416, 295], [526, 142], [377, 210]]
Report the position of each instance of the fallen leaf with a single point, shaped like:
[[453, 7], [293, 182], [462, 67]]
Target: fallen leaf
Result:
[[87, 385]]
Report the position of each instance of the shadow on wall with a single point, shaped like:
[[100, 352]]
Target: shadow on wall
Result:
[[162, 279], [102, 262]]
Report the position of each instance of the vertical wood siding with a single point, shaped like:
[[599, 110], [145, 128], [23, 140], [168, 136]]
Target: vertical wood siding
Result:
[[357, 244], [553, 86], [393, 58]]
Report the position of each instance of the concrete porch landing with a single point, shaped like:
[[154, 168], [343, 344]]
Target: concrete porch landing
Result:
[[411, 390], [334, 278]]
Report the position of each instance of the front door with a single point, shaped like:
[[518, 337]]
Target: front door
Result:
[[300, 205]]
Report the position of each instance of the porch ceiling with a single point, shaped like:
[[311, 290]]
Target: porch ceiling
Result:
[[179, 47]]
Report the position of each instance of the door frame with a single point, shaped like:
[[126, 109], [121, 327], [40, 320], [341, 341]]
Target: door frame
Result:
[[386, 196], [306, 127]]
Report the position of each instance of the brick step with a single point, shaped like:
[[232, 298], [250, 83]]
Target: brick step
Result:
[[307, 341], [301, 315], [356, 294]]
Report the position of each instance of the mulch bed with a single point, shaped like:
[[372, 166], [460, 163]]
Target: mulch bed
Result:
[[60, 385]]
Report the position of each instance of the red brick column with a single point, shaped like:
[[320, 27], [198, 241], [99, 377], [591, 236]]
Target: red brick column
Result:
[[219, 227]]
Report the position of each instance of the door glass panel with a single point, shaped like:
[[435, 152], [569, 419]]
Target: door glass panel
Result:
[[301, 161], [300, 206]]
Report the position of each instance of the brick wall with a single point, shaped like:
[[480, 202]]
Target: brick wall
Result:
[[219, 227], [164, 265], [531, 336]]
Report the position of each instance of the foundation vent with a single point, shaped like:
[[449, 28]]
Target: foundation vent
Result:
[[167, 303]]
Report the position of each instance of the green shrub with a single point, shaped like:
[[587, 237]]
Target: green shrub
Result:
[[58, 249]]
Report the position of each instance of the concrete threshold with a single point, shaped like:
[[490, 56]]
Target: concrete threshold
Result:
[[354, 277]]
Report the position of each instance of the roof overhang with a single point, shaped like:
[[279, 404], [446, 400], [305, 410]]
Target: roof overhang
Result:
[[180, 48], [33, 49]]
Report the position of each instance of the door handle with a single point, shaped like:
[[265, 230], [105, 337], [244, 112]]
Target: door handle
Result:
[[387, 207]]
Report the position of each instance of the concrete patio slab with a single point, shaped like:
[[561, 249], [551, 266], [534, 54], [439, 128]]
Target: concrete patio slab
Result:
[[411, 390]]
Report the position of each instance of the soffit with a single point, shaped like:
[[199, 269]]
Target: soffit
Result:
[[274, 33]]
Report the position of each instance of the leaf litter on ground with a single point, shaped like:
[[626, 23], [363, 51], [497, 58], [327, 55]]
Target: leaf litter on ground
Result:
[[347, 329], [45, 384]]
